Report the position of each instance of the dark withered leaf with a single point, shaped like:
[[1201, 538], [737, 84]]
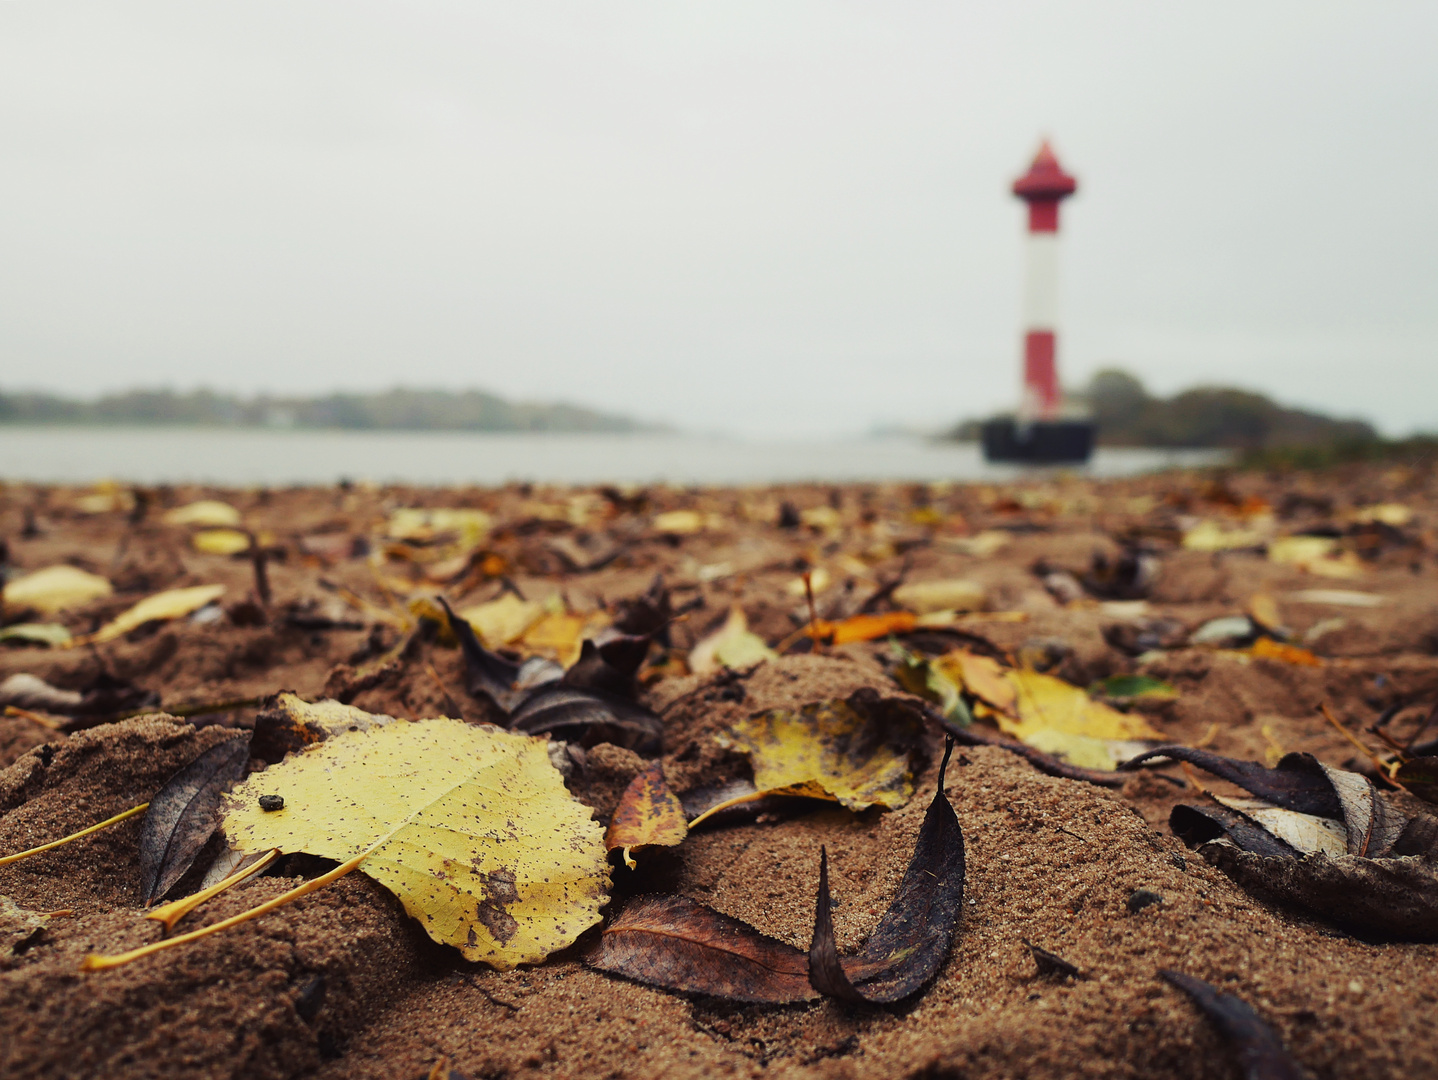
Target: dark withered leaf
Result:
[[183, 815], [1256, 1046], [648, 614], [911, 941], [585, 551], [609, 663], [488, 675], [1197, 825], [1298, 783], [589, 717], [1050, 963], [680, 944], [747, 803], [1383, 879], [1420, 776]]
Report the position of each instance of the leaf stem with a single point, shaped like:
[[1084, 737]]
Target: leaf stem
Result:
[[95, 962], [175, 910], [5, 860]]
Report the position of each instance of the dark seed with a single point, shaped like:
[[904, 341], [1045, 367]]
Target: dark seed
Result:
[[277, 802]]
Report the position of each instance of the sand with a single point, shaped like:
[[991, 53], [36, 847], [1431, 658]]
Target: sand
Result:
[[343, 985]]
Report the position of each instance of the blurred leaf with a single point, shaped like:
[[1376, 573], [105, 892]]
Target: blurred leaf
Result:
[[1208, 535], [1269, 649], [1123, 687], [1420, 776], [733, 645], [1317, 554], [648, 813], [220, 542], [208, 512], [586, 716], [36, 633], [920, 675], [183, 815], [171, 604], [865, 627], [952, 594], [679, 522], [559, 636], [1058, 718], [55, 589], [909, 945], [983, 677], [467, 527], [504, 620]]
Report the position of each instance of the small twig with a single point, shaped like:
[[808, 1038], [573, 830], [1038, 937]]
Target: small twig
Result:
[[34, 717], [1384, 770], [813, 611]]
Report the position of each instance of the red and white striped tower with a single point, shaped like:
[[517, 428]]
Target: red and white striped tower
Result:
[[1043, 187]]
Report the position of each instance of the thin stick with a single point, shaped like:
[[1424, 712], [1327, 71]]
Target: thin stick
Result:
[[34, 717], [104, 963], [74, 836], [175, 910], [1378, 763]]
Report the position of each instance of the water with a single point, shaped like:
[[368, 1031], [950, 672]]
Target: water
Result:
[[255, 457]]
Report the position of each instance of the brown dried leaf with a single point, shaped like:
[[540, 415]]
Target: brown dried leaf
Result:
[[911, 941], [183, 815], [1260, 1052], [680, 944], [648, 813]]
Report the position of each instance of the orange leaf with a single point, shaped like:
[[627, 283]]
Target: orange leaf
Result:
[[866, 627], [1289, 654], [648, 813]]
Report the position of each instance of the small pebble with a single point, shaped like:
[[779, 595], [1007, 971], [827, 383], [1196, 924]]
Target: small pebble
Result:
[[1142, 898], [277, 802]]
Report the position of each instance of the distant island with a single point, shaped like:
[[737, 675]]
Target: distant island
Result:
[[391, 410], [1217, 417]]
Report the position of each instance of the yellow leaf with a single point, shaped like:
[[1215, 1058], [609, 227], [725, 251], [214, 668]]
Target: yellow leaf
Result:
[[981, 545], [982, 676], [560, 636], [1395, 514], [55, 589], [170, 604], [679, 522], [1316, 554], [819, 580], [1059, 718], [1263, 610], [220, 541], [209, 512], [1210, 536], [648, 814], [857, 758], [504, 620], [477, 835], [823, 518], [733, 645], [953, 594], [410, 523]]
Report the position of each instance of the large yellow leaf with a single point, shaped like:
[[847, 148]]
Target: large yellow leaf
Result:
[[1059, 718], [859, 758], [170, 604], [477, 835], [55, 588]]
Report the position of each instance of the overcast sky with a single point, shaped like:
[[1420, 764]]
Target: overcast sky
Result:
[[776, 217]]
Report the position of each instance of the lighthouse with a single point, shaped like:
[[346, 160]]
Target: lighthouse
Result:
[[1039, 433]]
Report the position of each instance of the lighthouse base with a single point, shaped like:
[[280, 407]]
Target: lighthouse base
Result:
[[1040, 442]]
